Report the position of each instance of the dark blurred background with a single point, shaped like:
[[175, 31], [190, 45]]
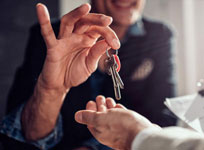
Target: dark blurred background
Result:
[[16, 18]]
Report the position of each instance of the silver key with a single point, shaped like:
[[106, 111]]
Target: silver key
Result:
[[111, 67], [115, 82], [119, 80]]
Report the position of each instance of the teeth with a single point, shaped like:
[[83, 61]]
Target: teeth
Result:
[[122, 4]]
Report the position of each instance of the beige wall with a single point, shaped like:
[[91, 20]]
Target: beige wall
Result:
[[67, 5]]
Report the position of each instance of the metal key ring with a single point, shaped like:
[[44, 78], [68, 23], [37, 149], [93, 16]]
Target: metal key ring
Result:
[[107, 53]]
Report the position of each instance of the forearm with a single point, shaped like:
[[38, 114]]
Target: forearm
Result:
[[40, 114]]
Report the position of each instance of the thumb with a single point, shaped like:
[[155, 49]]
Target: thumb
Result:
[[86, 117], [95, 53]]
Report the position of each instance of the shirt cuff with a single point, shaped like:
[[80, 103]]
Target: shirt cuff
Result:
[[11, 126], [144, 134]]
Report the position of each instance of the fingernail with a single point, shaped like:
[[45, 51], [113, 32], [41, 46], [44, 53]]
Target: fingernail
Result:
[[39, 4], [106, 18], [79, 117], [47, 12], [116, 43], [86, 6], [103, 100], [103, 17]]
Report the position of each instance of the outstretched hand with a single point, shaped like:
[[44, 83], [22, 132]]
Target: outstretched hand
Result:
[[74, 54], [112, 124]]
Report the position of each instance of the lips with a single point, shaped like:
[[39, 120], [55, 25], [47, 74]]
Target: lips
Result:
[[124, 3]]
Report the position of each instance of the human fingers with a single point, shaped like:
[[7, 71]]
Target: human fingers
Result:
[[91, 19], [86, 117], [110, 103], [68, 20], [94, 55], [101, 103], [120, 106], [91, 105], [45, 25], [107, 33]]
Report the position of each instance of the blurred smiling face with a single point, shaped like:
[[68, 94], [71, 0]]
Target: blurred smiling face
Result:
[[124, 12]]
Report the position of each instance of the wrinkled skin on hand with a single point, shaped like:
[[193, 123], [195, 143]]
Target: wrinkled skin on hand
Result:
[[112, 124], [74, 54]]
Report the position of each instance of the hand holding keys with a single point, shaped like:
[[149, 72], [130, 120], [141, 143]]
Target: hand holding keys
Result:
[[112, 65]]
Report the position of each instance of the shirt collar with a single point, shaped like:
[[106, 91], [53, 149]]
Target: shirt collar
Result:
[[136, 29]]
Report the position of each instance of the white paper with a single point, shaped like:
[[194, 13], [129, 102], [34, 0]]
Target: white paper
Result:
[[190, 109]]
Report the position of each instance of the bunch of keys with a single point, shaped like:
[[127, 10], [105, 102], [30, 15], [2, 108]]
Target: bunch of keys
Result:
[[112, 66]]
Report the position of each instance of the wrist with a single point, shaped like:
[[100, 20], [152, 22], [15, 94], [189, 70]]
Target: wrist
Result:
[[50, 88], [51, 94], [130, 138], [143, 135], [137, 126]]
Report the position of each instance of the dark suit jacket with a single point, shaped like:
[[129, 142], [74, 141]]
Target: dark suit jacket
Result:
[[146, 71]]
